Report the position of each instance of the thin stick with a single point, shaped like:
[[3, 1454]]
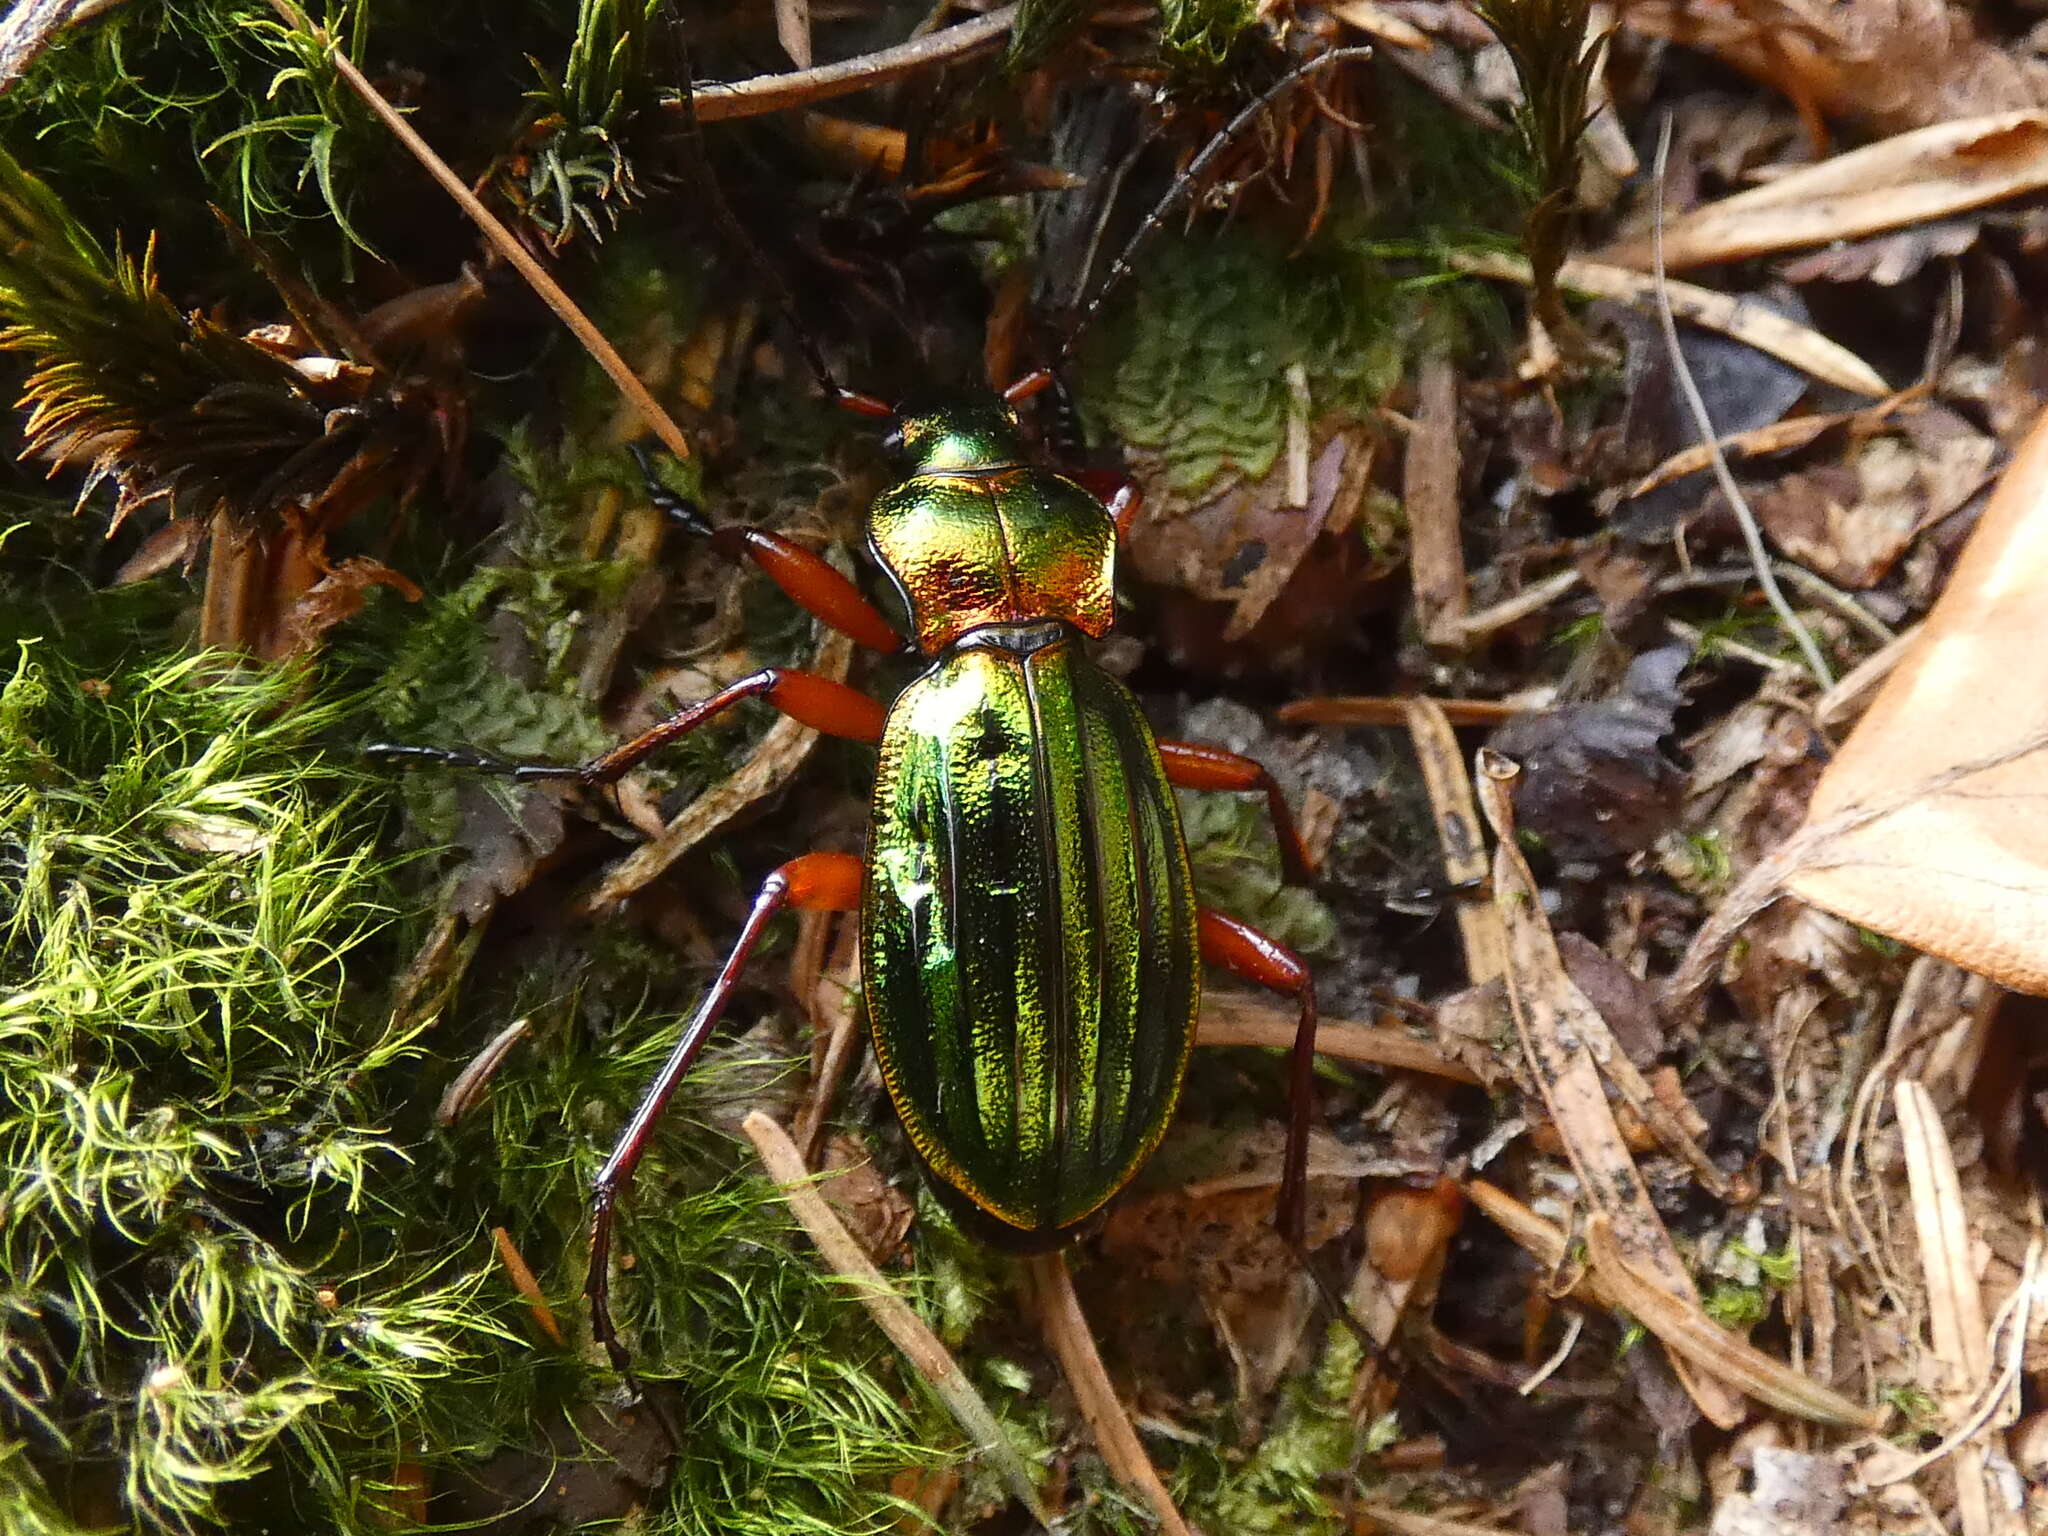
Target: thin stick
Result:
[[658, 421], [1233, 1019], [796, 88], [1066, 1329], [841, 1017], [906, 1330], [1752, 535]]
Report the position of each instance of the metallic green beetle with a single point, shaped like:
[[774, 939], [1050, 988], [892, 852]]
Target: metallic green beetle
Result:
[[1028, 928], [1030, 942]]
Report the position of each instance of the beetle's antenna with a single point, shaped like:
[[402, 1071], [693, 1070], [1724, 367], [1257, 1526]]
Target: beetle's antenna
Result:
[[728, 222], [1185, 183]]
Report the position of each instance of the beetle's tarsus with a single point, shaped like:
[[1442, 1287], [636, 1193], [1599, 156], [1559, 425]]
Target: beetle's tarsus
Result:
[[471, 758], [680, 510], [1332, 1297]]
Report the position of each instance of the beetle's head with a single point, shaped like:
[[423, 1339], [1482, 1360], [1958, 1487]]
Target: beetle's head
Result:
[[957, 432]]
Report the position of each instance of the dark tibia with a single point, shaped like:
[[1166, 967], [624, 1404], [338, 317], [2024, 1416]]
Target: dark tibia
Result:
[[821, 881]]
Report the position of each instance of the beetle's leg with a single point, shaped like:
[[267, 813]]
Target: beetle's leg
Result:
[[816, 701], [826, 882], [1246, 952], [1120, 495], [1193, 766], [806, 576]]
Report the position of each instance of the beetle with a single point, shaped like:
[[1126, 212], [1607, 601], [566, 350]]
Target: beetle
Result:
[[1031, 945]]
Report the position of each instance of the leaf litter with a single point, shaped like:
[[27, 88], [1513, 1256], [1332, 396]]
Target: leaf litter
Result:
[[1741, 1236]]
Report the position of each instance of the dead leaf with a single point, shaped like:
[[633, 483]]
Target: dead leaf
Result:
[[1623, 999], [1931, 825], [1595, 780], [1852, 519], [505, 843], [1244, 543], [1930, 173], [1793, 1494], [175, 543], [875, 1211], [1886, 260], [1895, 64], [207, 832], [340, 594]]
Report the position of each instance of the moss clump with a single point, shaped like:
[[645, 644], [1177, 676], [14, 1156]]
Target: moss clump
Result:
[[1199, 34], [1313, 1443], [1195, 370], [245, 1273], [188, 1113]]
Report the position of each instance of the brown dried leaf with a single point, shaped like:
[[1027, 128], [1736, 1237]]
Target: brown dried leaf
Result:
[[1595, 781], [339, 595], [1886, 260], [1931, 824], [1895, 64], [176, 543], [209, 832], [1243, 544], [1930, 173], [1851, 520], [874, 1210]]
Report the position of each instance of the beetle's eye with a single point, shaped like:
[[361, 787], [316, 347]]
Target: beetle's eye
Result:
[[893, 443]]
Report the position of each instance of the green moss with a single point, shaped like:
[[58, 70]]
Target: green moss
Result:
[[579, 174], [212, 100], [1041, 28], [1311, 1443], [1194, 370], [174, 107], [1199, 34], [1236, 863], [240, 1261], [186, 1106]]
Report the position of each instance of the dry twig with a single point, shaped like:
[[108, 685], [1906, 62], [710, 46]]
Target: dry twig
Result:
[[1429, 494], [1232, 1018], [1752, 535], [1567, 1044], [523, 1281], [1067, 1331], [502, 240], [1930, 173], [1456, 813], [1955, 1306], [1731, 314], [781, 752], [906, 1330], [772, 93]]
